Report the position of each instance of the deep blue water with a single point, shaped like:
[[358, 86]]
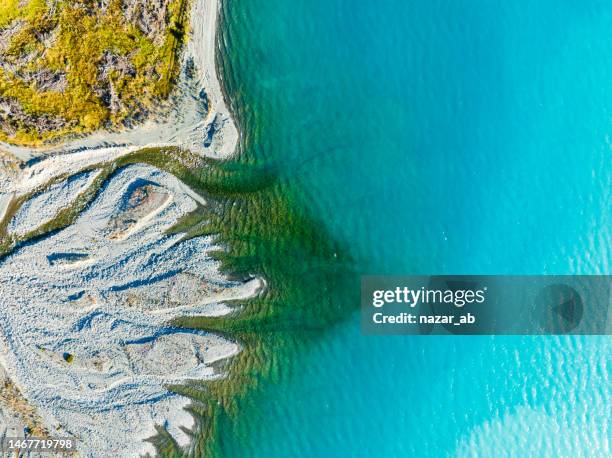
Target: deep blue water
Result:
[[437, 137]]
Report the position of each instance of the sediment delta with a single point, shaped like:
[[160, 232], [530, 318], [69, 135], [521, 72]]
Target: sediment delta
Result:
[[111, 389]]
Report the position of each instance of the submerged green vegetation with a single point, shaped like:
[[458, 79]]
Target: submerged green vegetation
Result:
[[263, 233], [306, 272], [71, 67]]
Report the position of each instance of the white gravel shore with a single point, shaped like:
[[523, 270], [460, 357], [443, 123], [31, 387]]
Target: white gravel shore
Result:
[[106, 301]]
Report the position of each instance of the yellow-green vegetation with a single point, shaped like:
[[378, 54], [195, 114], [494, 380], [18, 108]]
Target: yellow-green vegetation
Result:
[[68, 357], [70, 67]]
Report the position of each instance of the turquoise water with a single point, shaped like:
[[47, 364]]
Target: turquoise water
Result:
[[434, 137]]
